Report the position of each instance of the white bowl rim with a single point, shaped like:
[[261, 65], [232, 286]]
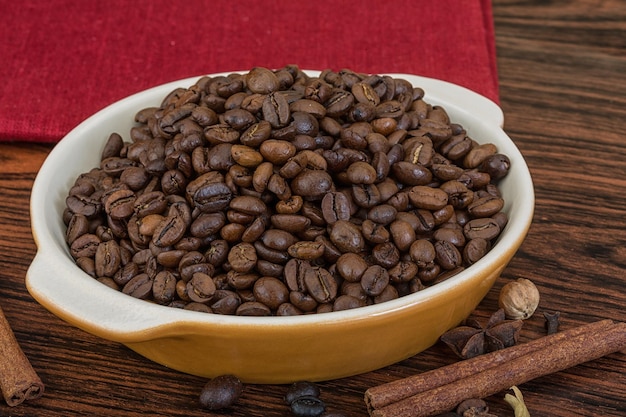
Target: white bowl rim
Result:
[[50, 261]]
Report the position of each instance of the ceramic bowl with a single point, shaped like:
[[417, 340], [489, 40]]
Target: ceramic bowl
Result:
[[264, 349]]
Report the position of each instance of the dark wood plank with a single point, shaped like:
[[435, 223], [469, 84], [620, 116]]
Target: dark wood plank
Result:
[[562, 69]]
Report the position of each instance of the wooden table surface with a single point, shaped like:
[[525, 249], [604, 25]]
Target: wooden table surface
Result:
[[562, 68]]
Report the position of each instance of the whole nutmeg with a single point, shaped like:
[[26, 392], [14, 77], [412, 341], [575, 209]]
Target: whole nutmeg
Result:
[[519, 299]]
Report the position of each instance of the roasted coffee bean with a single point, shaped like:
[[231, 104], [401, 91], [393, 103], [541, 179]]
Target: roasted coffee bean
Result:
[[277, 151], [497, 166], [366, 195], [374, 280], [201, 288], [339, 103], [253, 308], [292, 223], [501, 218], [290, 205], [153, 202], [270, 255], [307, 406], [107, 258], [447, 255], [459, 196], [269, 269], [242, 257], [335, 206], [288, 309], [217, 252], [278, 239], [361, 173], [422, 252], [347, 237], [255, 230], [306, 250], [485, 206], [294, 273], [478, 154], [411, 174], [485, 228], [402, 234], [312, 184], [164, 287], [320, 284], [303, 301], [475, 249], [276, 110], [208, 192], [452, 233], [87, 265], [77, 226], [270, 291], [225, 302], [207, 224], [429, 198], [221, 392], [301, 389], [403, 271], [248, 205], [347, 302], [374, 232], [199, 307], [351, 267], [140, 286], [443, 215], [85, 246], [170, 230], [256, 134], [382, 214], [85, 205], [114, 166], [279, 187], [386, 254], [246, 156], [241, 281], [389, 293], [262, 81]]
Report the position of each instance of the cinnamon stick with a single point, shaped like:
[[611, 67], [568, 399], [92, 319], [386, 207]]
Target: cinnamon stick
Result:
[[18, 380], [577, 346], [382, 395]]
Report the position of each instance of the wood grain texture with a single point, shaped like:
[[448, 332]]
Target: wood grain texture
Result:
[[562, 68]]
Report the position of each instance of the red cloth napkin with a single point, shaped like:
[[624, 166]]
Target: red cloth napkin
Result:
[[63, 60]]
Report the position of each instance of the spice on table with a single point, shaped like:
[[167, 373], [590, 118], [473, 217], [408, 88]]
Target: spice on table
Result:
[[440, 390], [552, 322], [18, 380], [474, 407], [519, 299], [517, 403], [474, 338]]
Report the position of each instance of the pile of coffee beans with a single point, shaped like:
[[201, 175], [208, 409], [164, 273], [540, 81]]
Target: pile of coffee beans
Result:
[[277, 193]]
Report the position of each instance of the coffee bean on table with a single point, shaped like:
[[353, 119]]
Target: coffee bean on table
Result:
[[301, 389], [221, 392], [307, 406]]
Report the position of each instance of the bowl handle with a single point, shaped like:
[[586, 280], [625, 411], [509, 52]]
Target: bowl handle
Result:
[[69, 299]]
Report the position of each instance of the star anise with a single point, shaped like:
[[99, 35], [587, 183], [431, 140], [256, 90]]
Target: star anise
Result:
[[473, 338]]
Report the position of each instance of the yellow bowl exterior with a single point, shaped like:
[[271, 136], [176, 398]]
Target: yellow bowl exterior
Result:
[[284, 354]]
